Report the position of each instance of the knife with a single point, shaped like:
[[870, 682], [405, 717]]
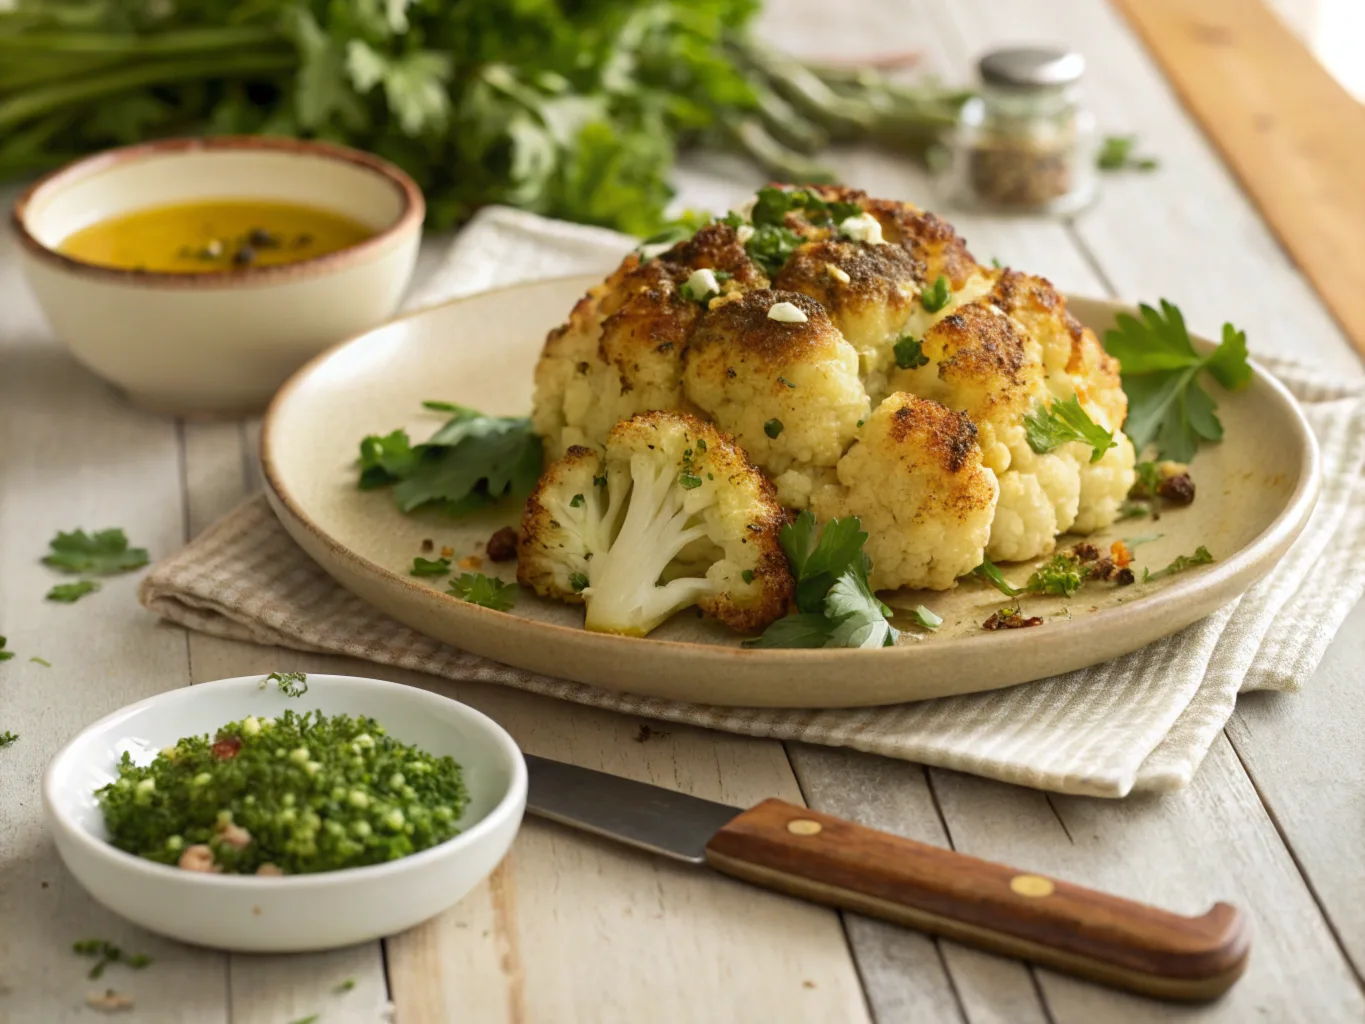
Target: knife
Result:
[[819, 857]]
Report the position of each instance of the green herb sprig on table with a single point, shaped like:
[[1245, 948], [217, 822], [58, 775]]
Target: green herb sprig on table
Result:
[[1167, 405], [835, 604], [104, 553], [470, 462], [70, 593], [4, 654], [6, 738], [1116, 154], [568, 109], [106, 953]]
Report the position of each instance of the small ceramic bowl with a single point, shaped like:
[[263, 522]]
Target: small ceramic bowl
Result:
[[293, 913], [217, 343]]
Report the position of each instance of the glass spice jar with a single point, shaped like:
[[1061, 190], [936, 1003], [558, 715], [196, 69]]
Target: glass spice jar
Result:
[[1025, 144]]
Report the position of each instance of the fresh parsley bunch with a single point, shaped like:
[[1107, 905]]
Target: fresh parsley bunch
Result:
[[1167, 405]]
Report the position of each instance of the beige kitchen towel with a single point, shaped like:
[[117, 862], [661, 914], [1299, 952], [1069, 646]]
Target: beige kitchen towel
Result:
[[1142, 722]]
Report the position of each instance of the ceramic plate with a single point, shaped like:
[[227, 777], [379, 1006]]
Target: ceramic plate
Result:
[[1256, 490]]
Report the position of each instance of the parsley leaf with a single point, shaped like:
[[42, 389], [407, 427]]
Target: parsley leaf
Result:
[[772, 204], [4, 654], [476, 588], [924, 618], [858, 617], [936, 296], [1167, 406], [471, 461], [991, 573], [1201, 556], [1060, 576], [291, 684], [6, 738], [429, 566], [106, 552], [817, 557], [771, 246], [70, 593], [802, 630], [1063, 422], [773, 428], [909, 355]]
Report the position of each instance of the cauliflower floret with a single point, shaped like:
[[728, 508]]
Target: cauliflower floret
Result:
[[916, 482], [788, 392], [1104, 486], [672, 514], [621, 351]]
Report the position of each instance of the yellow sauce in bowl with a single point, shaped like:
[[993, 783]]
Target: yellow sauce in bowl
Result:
[[217, 235]]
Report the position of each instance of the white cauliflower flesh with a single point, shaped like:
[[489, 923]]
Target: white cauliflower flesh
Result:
[[916, 482], [672, 514], [786, 390]]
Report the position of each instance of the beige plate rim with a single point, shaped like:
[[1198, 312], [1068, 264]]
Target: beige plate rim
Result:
[[1142, 619]]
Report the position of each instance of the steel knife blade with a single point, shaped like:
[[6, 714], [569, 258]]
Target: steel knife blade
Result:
[[815, 856]]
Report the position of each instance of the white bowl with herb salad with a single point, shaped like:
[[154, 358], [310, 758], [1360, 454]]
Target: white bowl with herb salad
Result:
[[197, 274], [285, 813]]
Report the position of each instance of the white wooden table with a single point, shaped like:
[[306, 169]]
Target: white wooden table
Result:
[[574, 930]]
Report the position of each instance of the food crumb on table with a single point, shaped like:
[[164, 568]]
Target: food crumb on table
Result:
[[109, 1001]]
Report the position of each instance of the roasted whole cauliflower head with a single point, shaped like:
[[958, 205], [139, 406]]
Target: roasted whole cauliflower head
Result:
[[670, 514], [787, 390], [916, 481]]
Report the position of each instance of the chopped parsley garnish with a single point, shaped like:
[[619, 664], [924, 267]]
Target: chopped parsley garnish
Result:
[[924, 618], [991, 573], [1147, 478], [1201, 556], [6, 738], [688, 480], [701, 444], [40, 661], [70, 593], [772, 204], [747, 575], [476, 588], [429, 566], [302, 793], [936, 296], [4, 654], [1063, 422], [576, 501], [784, 381], [291, 684], [344, 986], [600, 481], [1167, 406], [1133, 510], [908, 353], [1061, 576], [578, 581], [773, 428], [835, 604], [471, 461], [105, 552], [1116, 154], [106, 953]]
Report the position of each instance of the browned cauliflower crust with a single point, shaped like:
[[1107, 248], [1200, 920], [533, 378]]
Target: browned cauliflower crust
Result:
[[916, 482], [788, 392], [671, 514]]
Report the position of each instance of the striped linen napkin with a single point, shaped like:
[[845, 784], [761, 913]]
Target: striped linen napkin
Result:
[[1140, 723]]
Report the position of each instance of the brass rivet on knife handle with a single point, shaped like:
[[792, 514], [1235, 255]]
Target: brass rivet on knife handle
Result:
[[1104, 938]]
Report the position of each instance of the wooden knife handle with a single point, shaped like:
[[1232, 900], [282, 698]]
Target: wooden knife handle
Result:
[[1031, 917]]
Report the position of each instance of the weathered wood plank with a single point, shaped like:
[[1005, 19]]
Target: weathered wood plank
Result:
[[73, 455], [1293, 136]]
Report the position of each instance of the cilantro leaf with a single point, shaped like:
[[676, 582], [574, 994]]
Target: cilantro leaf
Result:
[[991, 573], [909, 354], [105, 553], [471, 461], [936, 296], [476, 588], [1167, 406], [1063, 422], [1201, 556], [70, 593], [429, 566]]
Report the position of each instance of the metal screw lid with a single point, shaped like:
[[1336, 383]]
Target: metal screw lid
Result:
[[1031, 67]]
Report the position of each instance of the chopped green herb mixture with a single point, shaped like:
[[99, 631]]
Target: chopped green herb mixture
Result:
[[301, 794], [1167, 406], [1061, 422], [476, 588], [105, 953], [103, 553], [835, 605], [430, 566], [70, 593], [470, 462]]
